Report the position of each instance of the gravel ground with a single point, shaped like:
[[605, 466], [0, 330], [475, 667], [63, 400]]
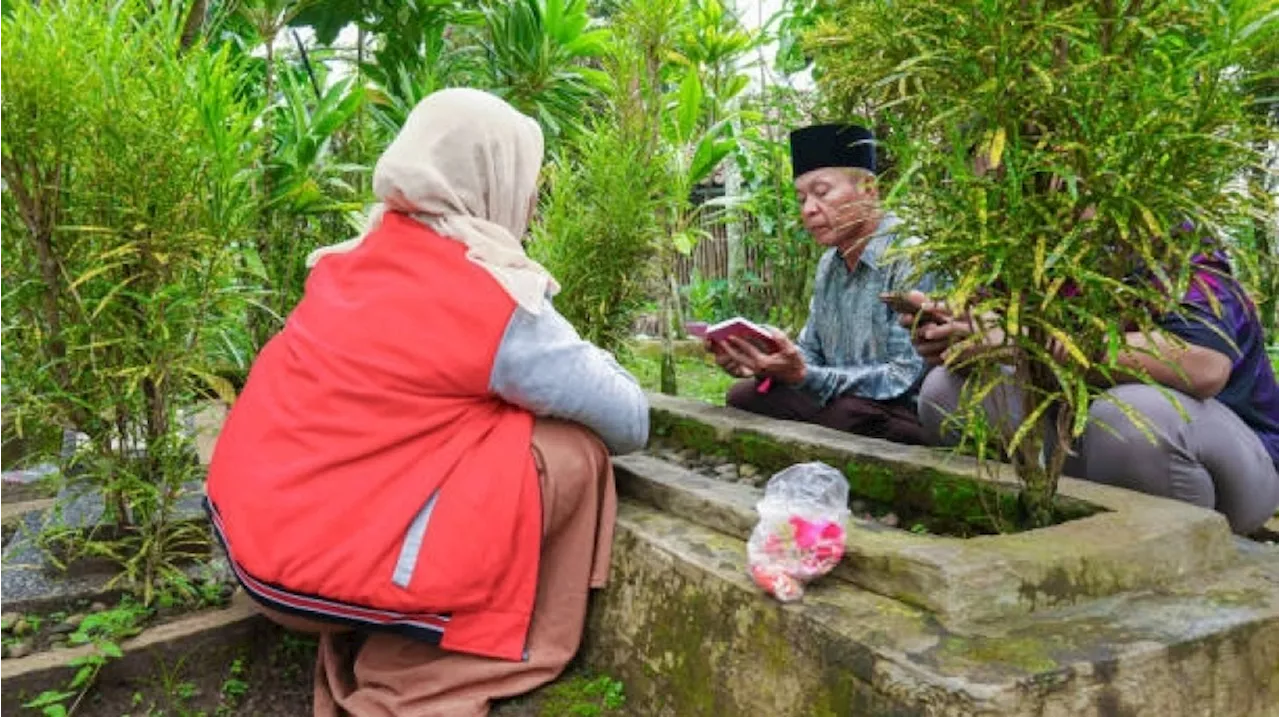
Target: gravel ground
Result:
[[723, 469]]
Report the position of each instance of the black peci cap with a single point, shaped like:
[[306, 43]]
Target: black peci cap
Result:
[[832, 145]]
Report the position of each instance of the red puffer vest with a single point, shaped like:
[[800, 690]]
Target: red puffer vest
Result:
[[366, 474]]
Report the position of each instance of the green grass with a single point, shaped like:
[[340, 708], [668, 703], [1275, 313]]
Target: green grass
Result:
[[583, 696], [696, 377]]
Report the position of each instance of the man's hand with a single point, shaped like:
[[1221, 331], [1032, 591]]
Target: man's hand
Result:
[[935, 331], [725, 361], [786, 364], [934, 341], [933, 328]]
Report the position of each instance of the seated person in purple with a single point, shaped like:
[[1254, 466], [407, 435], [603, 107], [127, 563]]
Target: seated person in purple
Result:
[[1222, 454]]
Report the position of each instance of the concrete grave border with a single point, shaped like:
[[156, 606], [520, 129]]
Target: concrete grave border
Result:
[[1135, 542]]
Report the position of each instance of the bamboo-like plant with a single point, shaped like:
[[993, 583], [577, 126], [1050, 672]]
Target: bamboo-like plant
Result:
[[598, 231], [1046, 150], [125, 187]]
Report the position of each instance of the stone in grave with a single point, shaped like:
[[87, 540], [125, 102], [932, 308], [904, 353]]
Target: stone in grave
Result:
[[201, 423], [28, 578]]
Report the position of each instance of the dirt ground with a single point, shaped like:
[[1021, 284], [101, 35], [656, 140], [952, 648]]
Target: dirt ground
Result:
[[272, 677]]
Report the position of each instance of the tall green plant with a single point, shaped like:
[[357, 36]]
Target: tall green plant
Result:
[[405, 49], [296, 176], [1257, 248], [712, 44], [1046, 150], [311, 191], [786, 253], [598, 233], [125, 185], [663, 101], [537, 55]]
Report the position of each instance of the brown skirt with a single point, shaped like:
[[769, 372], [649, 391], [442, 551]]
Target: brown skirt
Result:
[[383, 674]]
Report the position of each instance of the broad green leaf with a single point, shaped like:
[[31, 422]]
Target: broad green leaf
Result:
[[110, 649], [49, 697], [736, 86], [690, 106], [83, 676], [253, 262], [707, 156], [684, 242]]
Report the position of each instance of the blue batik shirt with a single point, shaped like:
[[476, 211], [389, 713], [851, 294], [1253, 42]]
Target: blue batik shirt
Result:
[[852, 343]]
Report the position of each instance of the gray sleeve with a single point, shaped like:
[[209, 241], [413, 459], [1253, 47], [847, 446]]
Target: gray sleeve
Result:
[[542, 365]]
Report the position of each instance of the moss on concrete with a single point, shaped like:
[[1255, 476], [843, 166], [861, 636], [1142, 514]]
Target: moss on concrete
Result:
[[697, 644], [945, 503], [684, 631], [1063, 584], [1233, 598], [1028, 655]]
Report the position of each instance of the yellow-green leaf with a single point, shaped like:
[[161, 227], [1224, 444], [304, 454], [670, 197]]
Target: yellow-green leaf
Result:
[[1039, 266], [100, 269], [980, 205], [684, 242], [1032, 421], [1072, 350], [221, 387], [1044, 78], [1150, 219], [1013, 325], [996, 150], [1082, 409]]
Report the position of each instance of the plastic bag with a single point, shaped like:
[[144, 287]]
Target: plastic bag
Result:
[[801, 531]]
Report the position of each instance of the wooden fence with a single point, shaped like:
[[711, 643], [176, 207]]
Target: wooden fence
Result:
[[710, 258]]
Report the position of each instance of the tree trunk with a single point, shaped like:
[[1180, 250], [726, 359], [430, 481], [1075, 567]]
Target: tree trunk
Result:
[[194, 23], [1037, 472], [667, 375], [259, 321], [733, 228], [43, 239]]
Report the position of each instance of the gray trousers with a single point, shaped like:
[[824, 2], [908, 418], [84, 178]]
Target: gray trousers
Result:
[[1210, 458]]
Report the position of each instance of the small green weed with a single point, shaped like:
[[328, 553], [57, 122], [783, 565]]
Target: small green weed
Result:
[[234, 688], [584, 696], [104, 630]]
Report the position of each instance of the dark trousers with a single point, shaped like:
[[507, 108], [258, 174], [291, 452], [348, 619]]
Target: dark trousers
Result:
[[891, 420]]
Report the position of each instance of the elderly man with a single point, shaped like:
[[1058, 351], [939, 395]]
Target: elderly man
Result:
[[853, 368]]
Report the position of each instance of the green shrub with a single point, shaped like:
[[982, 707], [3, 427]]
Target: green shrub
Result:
[[598, 234], [1103, 125], [125, 164]]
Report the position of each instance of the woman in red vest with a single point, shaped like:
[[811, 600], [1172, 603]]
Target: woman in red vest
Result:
[[421, 452]]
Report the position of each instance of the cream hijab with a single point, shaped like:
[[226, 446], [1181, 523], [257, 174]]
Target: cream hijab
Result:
[[466, 164]]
